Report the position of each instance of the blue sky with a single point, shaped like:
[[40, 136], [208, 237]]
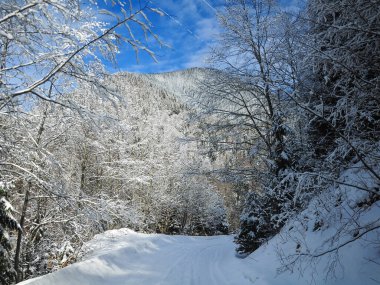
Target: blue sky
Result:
[[189, 31]]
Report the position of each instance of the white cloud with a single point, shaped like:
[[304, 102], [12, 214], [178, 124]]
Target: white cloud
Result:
[[207, 29], [198, 58], [180, 9]]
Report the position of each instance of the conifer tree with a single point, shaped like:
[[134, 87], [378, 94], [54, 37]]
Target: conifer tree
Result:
[[7, 223]]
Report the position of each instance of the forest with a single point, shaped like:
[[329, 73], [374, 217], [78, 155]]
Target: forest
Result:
[[284, 119]]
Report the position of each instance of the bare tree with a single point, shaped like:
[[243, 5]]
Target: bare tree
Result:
[[245, 112], [62, 43]]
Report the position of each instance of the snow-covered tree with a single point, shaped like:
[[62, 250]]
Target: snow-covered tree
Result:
[[48, 50], [49, 47], [247, 116], [342, 101]]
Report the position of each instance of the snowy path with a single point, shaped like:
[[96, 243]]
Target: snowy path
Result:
[[131, 258], [124, 257]]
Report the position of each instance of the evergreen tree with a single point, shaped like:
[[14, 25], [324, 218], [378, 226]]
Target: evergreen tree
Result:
[[7, 222]]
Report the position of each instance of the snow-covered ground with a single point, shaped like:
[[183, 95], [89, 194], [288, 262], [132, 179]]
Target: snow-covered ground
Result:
[[123, 256]]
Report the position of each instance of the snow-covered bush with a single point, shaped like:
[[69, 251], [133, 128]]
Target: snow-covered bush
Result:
[[267, 211], [204, 210], [346, 212], [194, 208]]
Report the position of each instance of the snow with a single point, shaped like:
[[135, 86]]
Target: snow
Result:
[[127, 257], [7, 35], [7, 206]]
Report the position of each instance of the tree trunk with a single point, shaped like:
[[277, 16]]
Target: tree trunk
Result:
[[19, 274]]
